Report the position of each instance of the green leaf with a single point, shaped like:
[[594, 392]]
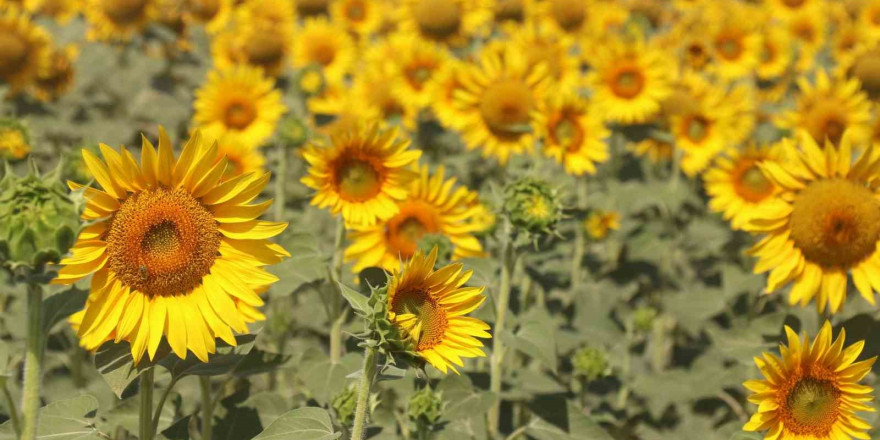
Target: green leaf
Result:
[[302, 424], [325, 379], [58, 307], [70, 419], [570, 424], [358, 302], [241, 360], [465, 400], [114, 363], [536, 338]]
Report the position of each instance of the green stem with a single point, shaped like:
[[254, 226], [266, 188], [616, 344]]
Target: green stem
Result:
[[336, 336], [579, 240], [13, 412], [157, 414], [508, 260], [30, 405], [623, 394], [363, 396], [207, 407], [280, 180], [338, 305], [146, 396]]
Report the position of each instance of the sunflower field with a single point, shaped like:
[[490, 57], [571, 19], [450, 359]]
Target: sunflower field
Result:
[[439, 219]]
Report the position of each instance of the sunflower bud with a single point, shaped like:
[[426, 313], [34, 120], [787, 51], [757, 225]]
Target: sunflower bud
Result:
[[14, 140], [38, 220], [293, 131], [532, 206], [426, 406], [643, 318], [590, 363], [344, 404], [310, 80]]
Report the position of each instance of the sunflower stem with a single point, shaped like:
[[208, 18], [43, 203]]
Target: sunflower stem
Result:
[[508, 261], [33, 362], [363, 397], [207, 407], [13, 411], [280, 180], [338, 306], [157, 414], [579, 240], [146, 398]]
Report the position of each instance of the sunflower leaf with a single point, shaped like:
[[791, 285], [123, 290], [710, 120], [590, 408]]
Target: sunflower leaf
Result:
[[308, 423], [358, 302], [70, 419]]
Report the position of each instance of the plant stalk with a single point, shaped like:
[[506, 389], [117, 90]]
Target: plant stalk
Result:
[[146, 398], [338, 305], [157, 415], [207, 407], [13, 412], [579, 239], [30, 405], [280, 181], [508, 260], [363, 397]]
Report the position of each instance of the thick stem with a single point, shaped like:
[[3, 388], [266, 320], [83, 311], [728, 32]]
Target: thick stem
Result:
[[146, 397], [577, 255], [363, 397], [207, 407], [280, 180], [508, 261], [13, 412], [338, 305], [30, 405]]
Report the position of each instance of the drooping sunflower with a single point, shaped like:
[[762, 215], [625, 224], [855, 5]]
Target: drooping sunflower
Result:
[[172, 251], [828, 108], [361, 174], [573, 134], [500, 98], [629, 80], [823, 225], [24, 48], [238, 102], [811, 391], [363, 17], [736, 185], [214, 15], [450, 22], [319, 42], [430, 307], [434, 206], [56, 78], [118, 20], [599, 223]]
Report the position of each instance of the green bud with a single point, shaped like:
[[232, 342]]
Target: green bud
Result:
[[15, 142], [426, 406], [532, 206], [444, 247], [310, 80], [293, 131], [643, 318], [591, 363], [345, 404]]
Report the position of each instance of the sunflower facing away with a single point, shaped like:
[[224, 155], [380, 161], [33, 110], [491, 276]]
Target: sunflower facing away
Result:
[[430, 307], [434, 206], [362, 174], [829, 108], [573, 135], [824, 224], [736, 185], [172, 251], [811, 391], [240, 103]]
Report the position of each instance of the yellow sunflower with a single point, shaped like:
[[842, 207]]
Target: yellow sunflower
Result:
[[362, 174], [629, 80], [735, 42], [451, 22], [118, 20], [737, 187], [373, 90], [413, 62], [863, 64], [568, 16], [823, 225], [214, 15], [828, 108], [310, 8], [56, 78], [62, 11], [599, 223], [239, 102], [442, 88], [362, 17], [788, 8], [869, 18], [267, 47], [267, 14], [573, 135], [172, 251], [319, 42], [655, 150], [240, 158], [777, 54], [811, 391], [14, 144], [510, 14], [433, 206], [501, 97], [809, 31], [542, 45], [430, 307], [24, 48]]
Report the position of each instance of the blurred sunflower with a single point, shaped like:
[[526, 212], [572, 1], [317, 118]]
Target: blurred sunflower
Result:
[[777, 54], [629, 81], [214, 15], [413, 63], [568, 16], [257, 37], [373, 89], [808, 30], [554, 50], [362, 17], [451, 22], [869, 18], [863, 64], [319, 42], [240, 158], [824, 224], [432, 207], [278, 15], [24, 49], [361, 174], [501, 97], [788, 8], [172, 251], [445, 82], [737, 187], [599, 223], [510, 14], [56, 78], [62, 11], [118, 20], [14, 142], [735, 42], [654, 149], [239, 102], [573, 135], [430, 308], [811, 391], [311, 8], [829, 108]]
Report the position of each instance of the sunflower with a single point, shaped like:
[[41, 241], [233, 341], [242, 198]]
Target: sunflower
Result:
[[362, 174], [510, 14], [430, 306], [324, 44], [172, 251], [374, 90], [14, 144], [869, 18], [573, 135], [442, 88], [267, 14], [568, 16], [829, 108], [214, 15], [735, 43], [413, 62], [239, 102], [863, 64], [310, 8], [809, 31], [737, 187], [599, 223], [629, 81], [542, 45], [362, 17], [788, 8], [59, 10], [24, 48], [811, 391], [267, 47], [703, 130], [450, 22], [433, 206], [824, 224], [240, 158], [777, 54], [501, 97], [118, 20], [654, 149], [57, 78]]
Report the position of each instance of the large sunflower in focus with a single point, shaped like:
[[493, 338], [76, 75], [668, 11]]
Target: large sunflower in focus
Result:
[[326, 45], [118, 20], [430, 307], [824, 224], [361, 175], [736, 185], [829, 108], [172, 251], [573, 135], [629, 81], [432, 207], [24, 48], [450, 22], [812, 391], [501, 97], [240, 103]]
